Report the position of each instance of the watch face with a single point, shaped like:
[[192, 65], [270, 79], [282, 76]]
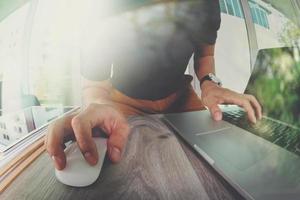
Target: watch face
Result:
[[214, 78]]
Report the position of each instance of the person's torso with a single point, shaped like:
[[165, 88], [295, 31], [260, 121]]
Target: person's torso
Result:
[[151, 47]]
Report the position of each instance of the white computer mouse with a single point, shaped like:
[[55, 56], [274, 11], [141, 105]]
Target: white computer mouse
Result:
[[78, 172]]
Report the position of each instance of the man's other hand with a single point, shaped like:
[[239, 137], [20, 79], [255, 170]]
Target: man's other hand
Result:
[[212, 95], [79, 126]]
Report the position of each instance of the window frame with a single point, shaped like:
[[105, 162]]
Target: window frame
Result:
[[237, 8], [225, 6]]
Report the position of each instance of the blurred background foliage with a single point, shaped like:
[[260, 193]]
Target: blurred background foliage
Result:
[[276, 83]]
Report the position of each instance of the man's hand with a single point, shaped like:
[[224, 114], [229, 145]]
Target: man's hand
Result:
[[212, 95], [79, 126]]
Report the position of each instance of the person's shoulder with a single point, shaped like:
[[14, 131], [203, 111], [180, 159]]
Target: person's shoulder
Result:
[[201, 10]]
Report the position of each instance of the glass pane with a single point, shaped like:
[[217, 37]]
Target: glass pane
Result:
[[237, 8], [266, 20], [253, 13], [223, 6], [230, 7], [261, 22]]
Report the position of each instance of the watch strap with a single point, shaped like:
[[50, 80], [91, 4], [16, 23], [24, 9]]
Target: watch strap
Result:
[[211, 77], [205, 78]]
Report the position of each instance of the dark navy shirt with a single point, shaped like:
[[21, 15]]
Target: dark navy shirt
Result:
[[145, 51]]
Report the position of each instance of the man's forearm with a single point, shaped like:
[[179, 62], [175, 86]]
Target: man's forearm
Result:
[[205, 66], [204, 62]]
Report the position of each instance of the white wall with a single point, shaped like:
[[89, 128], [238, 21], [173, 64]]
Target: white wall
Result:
[[232, 53]]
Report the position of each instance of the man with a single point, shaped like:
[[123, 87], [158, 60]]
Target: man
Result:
[[149, 49]]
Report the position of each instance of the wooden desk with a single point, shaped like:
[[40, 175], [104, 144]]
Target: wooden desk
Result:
[[155, 165]]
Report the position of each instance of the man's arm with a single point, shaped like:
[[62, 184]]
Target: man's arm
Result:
[[204, 62], [212, 94]]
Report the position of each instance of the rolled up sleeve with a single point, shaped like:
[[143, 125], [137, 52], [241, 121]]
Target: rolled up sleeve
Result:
[[212, 22]]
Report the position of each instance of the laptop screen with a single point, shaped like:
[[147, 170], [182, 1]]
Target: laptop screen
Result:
[[275, 82]]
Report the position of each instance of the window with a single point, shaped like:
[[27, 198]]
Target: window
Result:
[[266, 22], [231, 7], [237, 8], [223, 6], [259, 14], [254, 13], [6, 137]]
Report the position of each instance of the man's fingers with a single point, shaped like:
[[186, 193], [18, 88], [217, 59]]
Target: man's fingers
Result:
[[215, 112], [250, 112], [222, 95], [54, 147], [117, 141], [256, 105], [54, 140], [83, 132], [244, 103], [107, 118], [212, 105], [81, 126]]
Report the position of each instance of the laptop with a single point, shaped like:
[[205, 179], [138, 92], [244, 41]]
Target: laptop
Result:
[[261, 161]]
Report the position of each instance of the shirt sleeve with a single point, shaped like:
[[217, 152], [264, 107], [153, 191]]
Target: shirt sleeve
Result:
[[212, 22], [200, 20]]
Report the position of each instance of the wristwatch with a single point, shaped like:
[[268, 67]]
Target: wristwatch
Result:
[[211, 77]]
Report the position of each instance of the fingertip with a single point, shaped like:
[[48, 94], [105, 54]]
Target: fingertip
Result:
[[260, 115], [254, 120], [90, 158], [60, 168], [217, 116], [114, 154], [59, 163], [116, 143], [251, 116]]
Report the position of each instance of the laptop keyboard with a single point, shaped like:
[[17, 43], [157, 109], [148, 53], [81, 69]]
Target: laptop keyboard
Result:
[[283, 135]]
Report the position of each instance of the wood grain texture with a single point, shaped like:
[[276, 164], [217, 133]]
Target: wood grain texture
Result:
[[154, 166], [24, 154], [20, 168]]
